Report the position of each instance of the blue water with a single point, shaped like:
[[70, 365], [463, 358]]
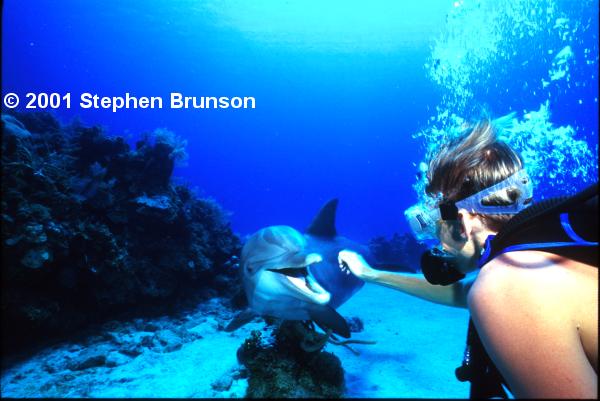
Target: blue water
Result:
[[340, 90]]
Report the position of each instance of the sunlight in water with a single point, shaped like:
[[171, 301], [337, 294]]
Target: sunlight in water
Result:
[[471, 55], [554, 157], [338, 25]]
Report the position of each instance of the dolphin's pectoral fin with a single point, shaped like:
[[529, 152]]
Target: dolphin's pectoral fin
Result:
[[324, 223], [241, 319], [327, 318]]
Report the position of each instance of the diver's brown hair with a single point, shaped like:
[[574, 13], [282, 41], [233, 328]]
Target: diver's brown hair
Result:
[[472, 162]]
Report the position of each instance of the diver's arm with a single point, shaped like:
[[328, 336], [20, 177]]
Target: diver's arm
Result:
[[416, 285], [412, 284]]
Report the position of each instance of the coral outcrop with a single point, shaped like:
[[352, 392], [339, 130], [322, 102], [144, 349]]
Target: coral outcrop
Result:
[[91, 228], [279, 367]]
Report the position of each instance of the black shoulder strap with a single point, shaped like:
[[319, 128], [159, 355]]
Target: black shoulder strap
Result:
[[566, 226]]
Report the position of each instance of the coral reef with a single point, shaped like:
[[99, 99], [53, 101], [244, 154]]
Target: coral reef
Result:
[[400, 253], [92, 228], [279, 367]]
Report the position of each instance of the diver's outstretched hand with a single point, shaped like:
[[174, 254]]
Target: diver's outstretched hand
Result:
[[356, 263]]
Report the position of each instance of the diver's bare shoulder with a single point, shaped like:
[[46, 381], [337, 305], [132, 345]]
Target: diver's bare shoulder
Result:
[[536, 313]]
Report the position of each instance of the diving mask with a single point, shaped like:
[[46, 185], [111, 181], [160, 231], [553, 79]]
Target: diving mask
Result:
[[423, 219]]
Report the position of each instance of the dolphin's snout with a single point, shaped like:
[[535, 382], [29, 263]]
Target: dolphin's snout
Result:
[[313, 258]]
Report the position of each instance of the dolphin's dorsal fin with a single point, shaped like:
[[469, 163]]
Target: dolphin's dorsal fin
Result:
[[323, 225]]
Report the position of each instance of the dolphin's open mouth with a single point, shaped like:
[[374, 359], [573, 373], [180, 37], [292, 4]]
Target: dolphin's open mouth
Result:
[[300, 275], [301, 278]]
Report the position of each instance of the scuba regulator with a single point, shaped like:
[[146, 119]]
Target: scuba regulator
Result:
[[439, 267]]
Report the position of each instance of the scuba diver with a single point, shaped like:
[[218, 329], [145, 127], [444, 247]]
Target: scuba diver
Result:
[[527, 271]]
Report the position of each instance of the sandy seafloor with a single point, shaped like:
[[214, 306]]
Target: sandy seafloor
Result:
[[419, 344]]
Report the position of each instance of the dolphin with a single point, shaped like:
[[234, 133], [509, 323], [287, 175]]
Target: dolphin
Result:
[[295, 276]]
